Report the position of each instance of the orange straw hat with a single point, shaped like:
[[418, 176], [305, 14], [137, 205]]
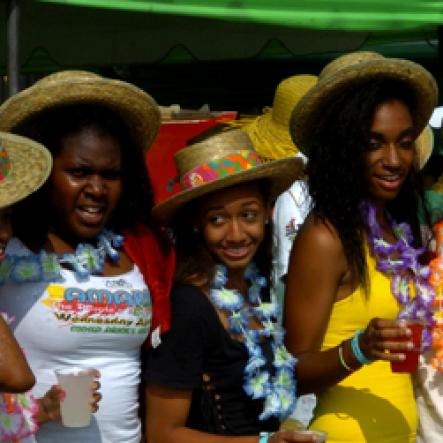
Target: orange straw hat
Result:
[[24, 167], [270, 131], [221, 161], [137, 108], [357, 68]]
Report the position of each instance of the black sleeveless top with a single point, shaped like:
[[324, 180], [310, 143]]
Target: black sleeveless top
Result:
[[199, 354]]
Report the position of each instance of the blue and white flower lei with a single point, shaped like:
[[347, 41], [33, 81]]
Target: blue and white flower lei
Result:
[[278, 390], [86, 260]]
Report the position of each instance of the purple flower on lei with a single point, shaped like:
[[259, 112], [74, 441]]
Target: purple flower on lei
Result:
[[401, 261]]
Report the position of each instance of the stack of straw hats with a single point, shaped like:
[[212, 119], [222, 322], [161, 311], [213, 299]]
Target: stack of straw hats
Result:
[[270, 131]]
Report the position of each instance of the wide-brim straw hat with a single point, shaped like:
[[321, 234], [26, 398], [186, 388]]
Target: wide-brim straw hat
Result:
[[24, 166], [269, 132], [221, 161], [137, 108], [351, 70]]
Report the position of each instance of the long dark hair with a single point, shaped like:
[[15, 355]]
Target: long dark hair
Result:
[[50, 128], [194, 261], [336, 168]]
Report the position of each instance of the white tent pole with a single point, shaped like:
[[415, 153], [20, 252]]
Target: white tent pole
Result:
[[12, 39]]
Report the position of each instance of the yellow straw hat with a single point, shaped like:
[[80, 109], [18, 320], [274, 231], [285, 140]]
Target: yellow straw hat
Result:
[[270, 131], [221, 161], [423, 147], [136, 107], [357, 68], [24, 167]]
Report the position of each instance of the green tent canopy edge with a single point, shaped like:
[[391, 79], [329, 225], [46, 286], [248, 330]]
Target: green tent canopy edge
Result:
[[351, 15]]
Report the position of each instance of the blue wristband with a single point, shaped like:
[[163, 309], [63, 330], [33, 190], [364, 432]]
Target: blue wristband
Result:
[[264, 437], [357, 351]]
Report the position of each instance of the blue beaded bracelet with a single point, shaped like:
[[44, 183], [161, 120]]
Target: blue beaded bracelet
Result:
[[357, 351], [264, 437]]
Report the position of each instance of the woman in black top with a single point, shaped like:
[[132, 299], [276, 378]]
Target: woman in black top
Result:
[[222, 374]]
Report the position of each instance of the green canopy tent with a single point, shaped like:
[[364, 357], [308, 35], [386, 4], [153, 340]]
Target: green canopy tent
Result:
[[73, 33]]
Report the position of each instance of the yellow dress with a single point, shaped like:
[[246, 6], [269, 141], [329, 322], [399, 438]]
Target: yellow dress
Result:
[[373, 404]]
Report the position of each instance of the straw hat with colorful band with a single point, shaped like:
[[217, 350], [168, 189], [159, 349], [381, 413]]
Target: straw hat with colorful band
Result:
[[136, 107], [354, 69], [24, 167], [221, 161], [270, 132]]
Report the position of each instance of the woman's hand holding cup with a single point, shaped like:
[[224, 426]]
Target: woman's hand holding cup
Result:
[[386, 340], [50, 403]]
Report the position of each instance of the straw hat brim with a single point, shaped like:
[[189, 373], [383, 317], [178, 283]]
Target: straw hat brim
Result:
[[137, 108], [423, 146], [31, 165], [281, 174], [309, 110]]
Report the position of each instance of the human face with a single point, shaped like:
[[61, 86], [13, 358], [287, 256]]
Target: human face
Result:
[[5, 230], [85, 184], [390, 154], [232, 222]]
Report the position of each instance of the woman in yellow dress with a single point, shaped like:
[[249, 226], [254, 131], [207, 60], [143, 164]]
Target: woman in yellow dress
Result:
[[359, 250]]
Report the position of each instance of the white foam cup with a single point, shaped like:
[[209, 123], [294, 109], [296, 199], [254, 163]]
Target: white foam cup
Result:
[[75, 408]]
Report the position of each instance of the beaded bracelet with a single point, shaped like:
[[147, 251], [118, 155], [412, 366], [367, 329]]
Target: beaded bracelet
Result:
[[355, 346], [342, 359], [264, 437]]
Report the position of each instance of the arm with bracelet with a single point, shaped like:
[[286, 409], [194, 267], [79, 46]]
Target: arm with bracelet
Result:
[[318, 277]]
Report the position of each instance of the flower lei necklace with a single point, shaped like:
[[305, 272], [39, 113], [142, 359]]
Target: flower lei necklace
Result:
[[436, 280], [86, 260], [277, 390], [400, 260]]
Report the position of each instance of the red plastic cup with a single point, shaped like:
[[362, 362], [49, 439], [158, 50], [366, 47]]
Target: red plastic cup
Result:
[[410, 363]]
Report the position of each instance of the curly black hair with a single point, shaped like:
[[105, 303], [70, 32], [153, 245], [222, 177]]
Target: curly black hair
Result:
[[50, 128], [336, 168]]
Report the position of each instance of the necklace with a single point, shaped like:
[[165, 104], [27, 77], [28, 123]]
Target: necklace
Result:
[[400, 260], [87, 260], [436, 280], [278, 390]]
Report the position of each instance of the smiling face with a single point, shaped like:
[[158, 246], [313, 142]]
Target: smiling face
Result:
[[85, 184], [232, 223], [390, 154]]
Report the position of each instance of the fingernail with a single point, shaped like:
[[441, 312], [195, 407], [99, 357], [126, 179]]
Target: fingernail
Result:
[[401, 356], [410, 345], [408, 332], [402, 323]]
